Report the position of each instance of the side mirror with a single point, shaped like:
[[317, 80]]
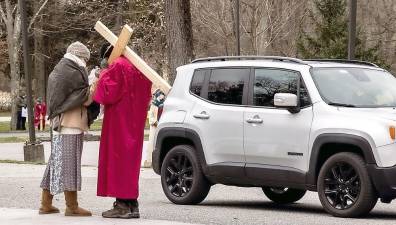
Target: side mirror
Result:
[[288, 101]]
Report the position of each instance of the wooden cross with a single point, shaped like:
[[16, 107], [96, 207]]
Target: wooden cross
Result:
[[121, 48]]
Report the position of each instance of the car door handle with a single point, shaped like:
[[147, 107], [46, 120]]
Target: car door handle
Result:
[[254, 120], [203, 115]]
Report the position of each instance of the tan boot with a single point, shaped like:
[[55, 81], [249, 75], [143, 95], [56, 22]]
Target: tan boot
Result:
[[72, 208], [46, 203]]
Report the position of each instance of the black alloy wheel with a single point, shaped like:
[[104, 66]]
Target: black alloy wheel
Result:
[[342, 186], [181, 176]]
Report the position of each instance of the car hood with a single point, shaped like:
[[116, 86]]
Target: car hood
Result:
[[383, 113]]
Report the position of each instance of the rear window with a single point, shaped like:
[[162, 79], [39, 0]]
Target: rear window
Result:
[[197, 82], [226, 85]]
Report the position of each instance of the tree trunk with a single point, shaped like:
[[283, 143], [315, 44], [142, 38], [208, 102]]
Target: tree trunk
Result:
[[120, 11], [13, 34], [39, 60], [178, 34]]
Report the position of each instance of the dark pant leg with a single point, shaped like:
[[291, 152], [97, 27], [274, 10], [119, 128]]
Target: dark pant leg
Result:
[[23, 123], [126, 201], [19, 120]]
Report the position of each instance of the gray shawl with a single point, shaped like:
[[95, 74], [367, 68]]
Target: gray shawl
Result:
[[67, 87]]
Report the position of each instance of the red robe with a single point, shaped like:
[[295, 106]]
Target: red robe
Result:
[[40, 110], [125, 93]]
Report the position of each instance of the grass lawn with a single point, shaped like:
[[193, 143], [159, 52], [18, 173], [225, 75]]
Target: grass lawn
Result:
[[24, 139], [5, 114], [96, 126], [20, 162], [4, 126], [13, 139]]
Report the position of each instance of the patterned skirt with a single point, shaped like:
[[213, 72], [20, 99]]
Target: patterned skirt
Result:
[[63, 172]]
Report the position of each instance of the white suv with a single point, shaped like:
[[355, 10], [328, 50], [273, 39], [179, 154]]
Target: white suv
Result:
[[284, 124]]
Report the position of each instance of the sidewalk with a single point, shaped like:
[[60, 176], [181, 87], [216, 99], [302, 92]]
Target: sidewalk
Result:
[[90, 154], [5, 118], [31, 217], [15, 215]]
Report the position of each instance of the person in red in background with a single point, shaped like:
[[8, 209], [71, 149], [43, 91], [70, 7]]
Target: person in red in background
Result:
[[40, 111], [125, 93]]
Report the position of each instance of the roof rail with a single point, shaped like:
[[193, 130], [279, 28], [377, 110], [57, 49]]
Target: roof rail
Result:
[[343, 61], [230, 58]]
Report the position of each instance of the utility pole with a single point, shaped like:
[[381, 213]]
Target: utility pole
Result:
[[33, 151], [352, 29], [238, 34]]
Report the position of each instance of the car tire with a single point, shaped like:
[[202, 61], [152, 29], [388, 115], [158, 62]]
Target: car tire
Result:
[[283, 195], [344, 186], [181, 176]]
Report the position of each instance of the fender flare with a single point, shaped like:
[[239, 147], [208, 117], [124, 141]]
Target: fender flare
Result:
[[336, 138], [177, 132]]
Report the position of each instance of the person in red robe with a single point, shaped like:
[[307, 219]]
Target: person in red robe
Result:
[[40, 111], [125, 93]]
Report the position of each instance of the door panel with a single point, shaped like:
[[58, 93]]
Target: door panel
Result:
[[281, 139], [274, 136], [221, 131], [218, 114]]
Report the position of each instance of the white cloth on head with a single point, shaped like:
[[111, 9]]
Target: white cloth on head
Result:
[[75, 59]]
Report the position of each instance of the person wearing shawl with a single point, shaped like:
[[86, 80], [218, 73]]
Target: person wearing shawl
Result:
[[155, 112], [68, 95], [125, 93]]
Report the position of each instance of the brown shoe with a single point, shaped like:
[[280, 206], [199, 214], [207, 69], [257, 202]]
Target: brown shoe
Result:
[[119, 210], [46, 203], [134, 206], [72, 208]]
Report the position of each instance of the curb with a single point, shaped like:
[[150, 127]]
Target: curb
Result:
[[29, 216]]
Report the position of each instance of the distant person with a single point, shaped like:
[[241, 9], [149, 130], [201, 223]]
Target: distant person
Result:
[[155, 112], [21, 102], [125, 93], [40, 111], [24, 116], [68, 95]]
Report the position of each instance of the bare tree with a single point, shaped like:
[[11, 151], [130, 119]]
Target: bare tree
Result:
[[377, 18], [9, 12], [179, 34], [268, 27], [39, 56], [11, 17], [264, 22], [214, 26]]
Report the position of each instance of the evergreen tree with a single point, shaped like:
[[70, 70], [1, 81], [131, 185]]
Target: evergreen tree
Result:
[[330, 35]]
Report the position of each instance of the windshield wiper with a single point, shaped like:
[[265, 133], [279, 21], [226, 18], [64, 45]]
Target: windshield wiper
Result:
[[341, 104]]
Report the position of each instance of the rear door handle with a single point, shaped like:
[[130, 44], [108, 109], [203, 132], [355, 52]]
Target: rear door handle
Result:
[[203, 115], [255, 119]]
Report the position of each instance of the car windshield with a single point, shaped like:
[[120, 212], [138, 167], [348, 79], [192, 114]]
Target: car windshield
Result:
[[356, 87]]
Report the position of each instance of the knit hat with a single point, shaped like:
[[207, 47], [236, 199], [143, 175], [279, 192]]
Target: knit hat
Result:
[[80, 50]]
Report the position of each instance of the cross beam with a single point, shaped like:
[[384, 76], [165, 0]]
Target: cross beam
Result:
[[121, 43]]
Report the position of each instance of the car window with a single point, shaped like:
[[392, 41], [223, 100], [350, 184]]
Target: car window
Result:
[[197, 82], [226, 85], [268, 82], [356, 87], [304, 95]]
